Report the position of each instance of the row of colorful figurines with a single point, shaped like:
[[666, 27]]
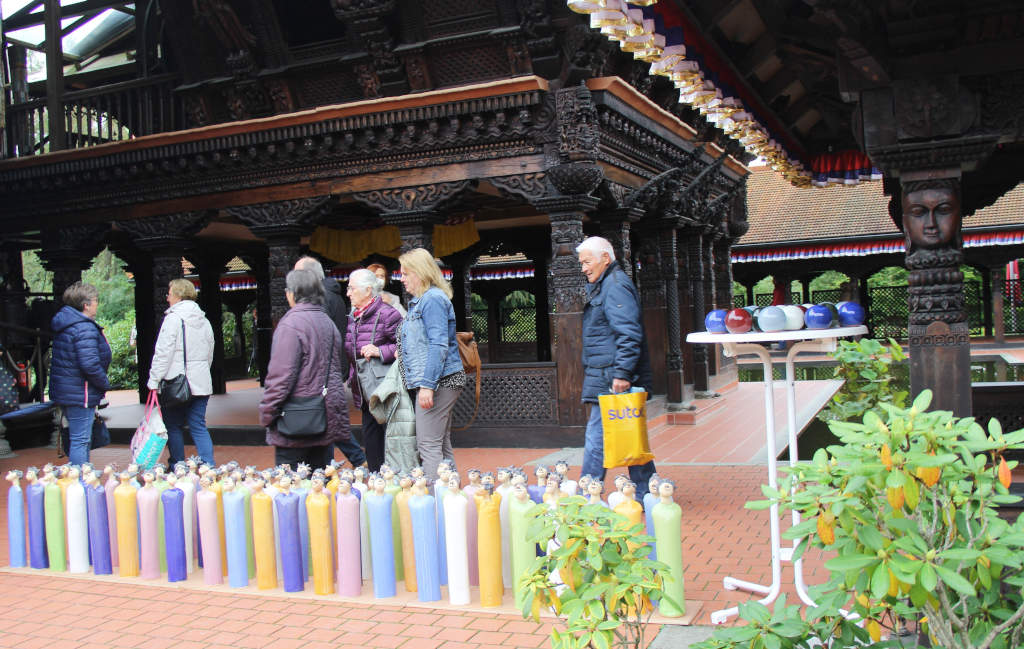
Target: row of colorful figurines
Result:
[[787, 317], [279, 526]]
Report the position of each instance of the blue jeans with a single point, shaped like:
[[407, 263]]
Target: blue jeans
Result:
[[79, 432], [192, 413], [593, 456]]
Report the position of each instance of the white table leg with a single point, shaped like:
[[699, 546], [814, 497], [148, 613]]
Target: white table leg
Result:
[[730, 583], [826, 345]]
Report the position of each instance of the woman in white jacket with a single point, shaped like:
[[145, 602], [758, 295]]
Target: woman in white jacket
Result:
[[168, 362]]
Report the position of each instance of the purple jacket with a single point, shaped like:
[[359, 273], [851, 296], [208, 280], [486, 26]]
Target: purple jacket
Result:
[[298, 355], [360, 333]]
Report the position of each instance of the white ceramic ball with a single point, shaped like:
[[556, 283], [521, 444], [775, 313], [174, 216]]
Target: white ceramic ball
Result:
[[794, 317]]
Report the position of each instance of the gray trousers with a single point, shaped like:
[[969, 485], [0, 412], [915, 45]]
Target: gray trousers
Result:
[[434, 430]]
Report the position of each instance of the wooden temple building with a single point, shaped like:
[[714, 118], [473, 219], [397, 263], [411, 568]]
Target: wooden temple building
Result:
[[354, 129]]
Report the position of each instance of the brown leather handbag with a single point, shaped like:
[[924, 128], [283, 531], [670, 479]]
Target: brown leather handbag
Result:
[[470, 365]]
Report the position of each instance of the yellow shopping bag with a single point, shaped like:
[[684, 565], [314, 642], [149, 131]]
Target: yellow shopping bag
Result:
[[624, 418]]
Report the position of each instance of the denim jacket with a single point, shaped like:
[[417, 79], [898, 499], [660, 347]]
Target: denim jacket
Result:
[[428, 340]]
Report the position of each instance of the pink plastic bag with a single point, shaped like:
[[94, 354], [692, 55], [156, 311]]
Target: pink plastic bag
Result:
[[150, 437]]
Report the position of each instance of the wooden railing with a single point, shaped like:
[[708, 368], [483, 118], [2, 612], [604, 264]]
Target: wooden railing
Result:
[[106, 114]]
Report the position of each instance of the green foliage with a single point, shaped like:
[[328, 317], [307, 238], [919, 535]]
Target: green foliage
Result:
[[117, 291], [39, 279], [598, 579], [123, 372], [907, 506], [830, 279], [889, 276], [866, 368]]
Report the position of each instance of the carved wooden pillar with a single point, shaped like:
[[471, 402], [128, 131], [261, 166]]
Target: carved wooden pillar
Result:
[[543, 310], [652, 301], [615, 226], [708, 264], [566, 300], [695, 271], [69, 250], [211, 267], [162, 241], [670, 279], [281, 224], [940, 346], [986, 303], [417, 234]]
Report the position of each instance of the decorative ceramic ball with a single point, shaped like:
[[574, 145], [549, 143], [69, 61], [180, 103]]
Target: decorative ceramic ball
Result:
[[834, 311], [851, 314], [738, 321], [714, 321], [794, 317], [754, 310], [771, 318], [818, 317]]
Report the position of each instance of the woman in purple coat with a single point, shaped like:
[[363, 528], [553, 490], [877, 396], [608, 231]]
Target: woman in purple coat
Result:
[[301, 363], [371, 335]]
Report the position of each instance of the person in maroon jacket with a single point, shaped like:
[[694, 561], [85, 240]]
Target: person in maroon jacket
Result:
[[301, 358], [371, 335]]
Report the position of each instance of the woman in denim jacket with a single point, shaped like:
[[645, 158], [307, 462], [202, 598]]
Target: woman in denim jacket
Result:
[[429, 357]]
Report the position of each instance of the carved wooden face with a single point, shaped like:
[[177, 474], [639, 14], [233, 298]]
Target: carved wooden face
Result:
[[931, 217]]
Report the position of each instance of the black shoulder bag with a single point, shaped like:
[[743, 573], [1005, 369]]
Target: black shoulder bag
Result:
[[176, 391], [303, 417]]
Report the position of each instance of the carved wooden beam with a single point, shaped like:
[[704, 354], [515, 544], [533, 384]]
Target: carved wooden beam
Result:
[[282, 218]]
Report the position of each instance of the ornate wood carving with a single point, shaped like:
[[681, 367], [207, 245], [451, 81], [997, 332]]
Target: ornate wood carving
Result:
[[292, 217], [463, 131], [938, 329], [421, 198], [670, 277], [577, 124], [166, 266], [522, 396], [69, 250], [417, 232], [368, 20], [282, 253], [165, 230], [615, 226], [529, 187], [693, 243], [566, 297]]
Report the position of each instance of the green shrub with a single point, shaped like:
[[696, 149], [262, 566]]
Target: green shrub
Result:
[[605, 581], [908, 506], [869, 379]]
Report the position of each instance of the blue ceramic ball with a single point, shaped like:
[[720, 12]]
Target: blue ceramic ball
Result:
[[818, 317], [714, 321], [851, 314], [771, 318]]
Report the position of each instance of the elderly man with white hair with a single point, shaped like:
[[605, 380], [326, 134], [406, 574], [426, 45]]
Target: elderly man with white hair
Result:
[[615, 356], [370, 342]]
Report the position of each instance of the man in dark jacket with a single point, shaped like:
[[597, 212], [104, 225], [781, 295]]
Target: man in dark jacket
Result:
[[78, 366], [335, 307], [615, 356]]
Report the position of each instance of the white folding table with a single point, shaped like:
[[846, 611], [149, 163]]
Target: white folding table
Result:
[[808, 340]]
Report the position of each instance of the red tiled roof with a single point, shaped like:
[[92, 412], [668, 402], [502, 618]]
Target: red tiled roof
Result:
[[779, 212]]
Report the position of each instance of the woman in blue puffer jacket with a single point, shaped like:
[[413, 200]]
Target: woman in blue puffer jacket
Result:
[[78, 367]]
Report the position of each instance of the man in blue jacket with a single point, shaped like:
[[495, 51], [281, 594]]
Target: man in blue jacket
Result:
[[615, 356]]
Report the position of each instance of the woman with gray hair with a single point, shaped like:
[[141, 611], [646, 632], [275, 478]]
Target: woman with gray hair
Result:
[[78, 365], [305, 361], [370, 345]]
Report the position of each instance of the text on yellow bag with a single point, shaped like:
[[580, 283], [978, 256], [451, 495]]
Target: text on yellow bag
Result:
[[624, 419]]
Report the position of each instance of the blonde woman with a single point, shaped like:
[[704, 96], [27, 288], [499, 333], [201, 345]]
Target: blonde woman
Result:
[[185, 332], [429, 356]]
